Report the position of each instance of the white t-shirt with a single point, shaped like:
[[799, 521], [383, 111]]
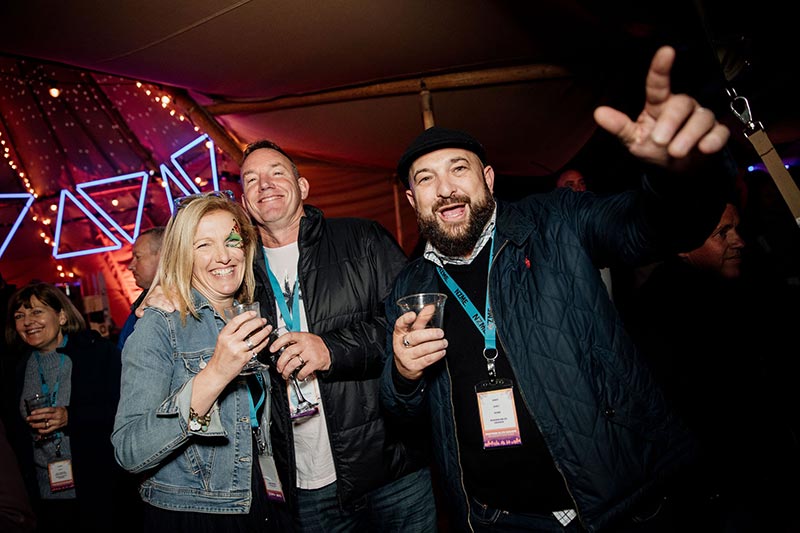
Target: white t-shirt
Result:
[[312, 446]]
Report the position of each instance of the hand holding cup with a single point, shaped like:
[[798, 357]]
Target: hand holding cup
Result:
[[40, 414], [253, 340], [418, 339]]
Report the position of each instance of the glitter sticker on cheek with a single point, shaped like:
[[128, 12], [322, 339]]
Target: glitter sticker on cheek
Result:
[[234, 239]]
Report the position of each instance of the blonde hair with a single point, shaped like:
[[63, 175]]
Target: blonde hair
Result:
[[174, 273]]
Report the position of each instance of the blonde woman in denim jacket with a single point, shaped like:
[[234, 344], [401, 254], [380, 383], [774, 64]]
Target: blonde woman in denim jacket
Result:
[[188, 422]]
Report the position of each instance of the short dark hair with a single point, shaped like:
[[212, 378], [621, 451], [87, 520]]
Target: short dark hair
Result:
[[270, 145], [157, 237]]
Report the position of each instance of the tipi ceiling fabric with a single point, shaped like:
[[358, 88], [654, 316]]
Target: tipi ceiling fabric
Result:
[[341, 85]]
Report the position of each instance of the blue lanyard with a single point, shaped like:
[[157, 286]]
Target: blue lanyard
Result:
[[45, 387], [254, 406], [290, 318], [484, 323]]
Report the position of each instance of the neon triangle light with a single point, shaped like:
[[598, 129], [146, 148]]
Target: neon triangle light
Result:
[[131, 238], [61, 207], [15, 227], [212, 160], [167, 173]]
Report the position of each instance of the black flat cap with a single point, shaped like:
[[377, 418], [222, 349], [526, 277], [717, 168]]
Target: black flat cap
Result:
[[433, 139]]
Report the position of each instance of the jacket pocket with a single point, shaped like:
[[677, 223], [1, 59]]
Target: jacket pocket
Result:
[[194, 362], [626, 395]]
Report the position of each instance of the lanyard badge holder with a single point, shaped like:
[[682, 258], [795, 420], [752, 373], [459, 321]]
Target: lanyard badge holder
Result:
[[59, 468], [269, 470], [495, 396], [301, 409], [496, 406]]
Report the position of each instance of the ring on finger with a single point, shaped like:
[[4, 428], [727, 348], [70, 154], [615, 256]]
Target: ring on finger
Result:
[[302, 361], [249, 344], [46, 423], [405, 342]]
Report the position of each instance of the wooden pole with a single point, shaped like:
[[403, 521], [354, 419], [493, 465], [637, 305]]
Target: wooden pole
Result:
[[200, 117], [398, 223], [478, 78], [426, 104]]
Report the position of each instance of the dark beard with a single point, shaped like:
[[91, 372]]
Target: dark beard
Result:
[[462, 242]]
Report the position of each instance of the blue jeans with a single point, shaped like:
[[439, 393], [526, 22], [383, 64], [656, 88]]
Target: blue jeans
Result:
[[404, 506], [486, 519]]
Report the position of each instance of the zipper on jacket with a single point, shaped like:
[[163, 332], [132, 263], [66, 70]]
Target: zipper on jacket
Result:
[[458, 448], [301, 286], [521, 392]]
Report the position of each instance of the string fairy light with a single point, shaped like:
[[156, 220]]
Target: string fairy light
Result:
[[43, 212]]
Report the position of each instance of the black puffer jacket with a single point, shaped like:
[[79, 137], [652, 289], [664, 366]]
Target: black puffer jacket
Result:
[[346, 268]]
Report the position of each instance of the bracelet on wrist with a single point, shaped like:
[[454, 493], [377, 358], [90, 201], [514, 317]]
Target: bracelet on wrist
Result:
[[197, 422]]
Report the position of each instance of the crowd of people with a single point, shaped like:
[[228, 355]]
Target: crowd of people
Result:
[[540, 404]]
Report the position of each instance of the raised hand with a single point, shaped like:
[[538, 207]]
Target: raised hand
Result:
[[670, 126]]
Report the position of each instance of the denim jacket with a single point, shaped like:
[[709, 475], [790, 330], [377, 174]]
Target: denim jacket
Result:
[[183, 470]]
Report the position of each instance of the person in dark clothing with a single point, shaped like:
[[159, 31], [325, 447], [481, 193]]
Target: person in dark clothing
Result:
[[16, 514], [143, 265], [65, 448], [725, 361], [8, 361], [348, 467], [545, 418]]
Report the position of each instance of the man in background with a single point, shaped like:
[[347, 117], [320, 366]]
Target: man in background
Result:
[[573, 179], [143, 265], [724, 356]]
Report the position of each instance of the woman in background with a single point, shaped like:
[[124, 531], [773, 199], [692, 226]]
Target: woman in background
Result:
[[64, 448]]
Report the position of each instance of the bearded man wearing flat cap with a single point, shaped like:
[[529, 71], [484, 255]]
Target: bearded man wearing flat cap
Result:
[[544, 418]]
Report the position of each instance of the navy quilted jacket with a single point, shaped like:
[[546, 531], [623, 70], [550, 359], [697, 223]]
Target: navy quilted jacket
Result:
[[604, 421]]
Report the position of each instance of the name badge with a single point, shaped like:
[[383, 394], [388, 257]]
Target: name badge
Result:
[[60, 474], [498, 413], [269, 471]]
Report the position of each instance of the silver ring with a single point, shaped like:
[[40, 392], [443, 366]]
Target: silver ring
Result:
[[249, 344], [405, 342], [46, 423], [302, 361]]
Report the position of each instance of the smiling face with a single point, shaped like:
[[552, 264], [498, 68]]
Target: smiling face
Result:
[[218, 266], [39, 325], [273, 194], [722, 251], [451, 191]]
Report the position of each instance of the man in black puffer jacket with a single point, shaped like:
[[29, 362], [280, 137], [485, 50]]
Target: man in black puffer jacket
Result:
[[345, 465]]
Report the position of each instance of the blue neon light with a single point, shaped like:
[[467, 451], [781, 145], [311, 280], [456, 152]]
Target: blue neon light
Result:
[[213, 160], [15, 196], [168, 176], [186, 185], [105, 215], [117, 243]]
